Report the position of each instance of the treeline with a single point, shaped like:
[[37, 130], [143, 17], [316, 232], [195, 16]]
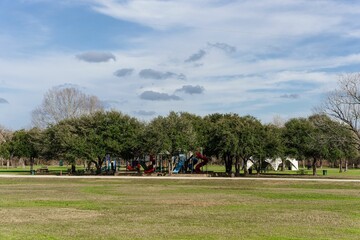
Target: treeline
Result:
[[70, 125], [231, 138]]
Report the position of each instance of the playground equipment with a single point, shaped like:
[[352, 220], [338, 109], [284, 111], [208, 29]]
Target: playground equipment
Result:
[[133, 166], [149, 163], [182, 164], [110, 164], [204, 159], [192, 164], [151, 168], [179, 162]]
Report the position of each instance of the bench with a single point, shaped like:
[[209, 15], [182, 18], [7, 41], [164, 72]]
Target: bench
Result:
[[42, 170]]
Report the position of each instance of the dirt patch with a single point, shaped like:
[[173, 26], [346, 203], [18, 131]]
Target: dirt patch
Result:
[[43, 215]]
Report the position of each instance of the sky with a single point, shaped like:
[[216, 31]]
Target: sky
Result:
[[145, 58]]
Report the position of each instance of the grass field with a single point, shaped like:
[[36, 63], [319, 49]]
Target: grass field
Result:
[[177, 209], [331, 172]]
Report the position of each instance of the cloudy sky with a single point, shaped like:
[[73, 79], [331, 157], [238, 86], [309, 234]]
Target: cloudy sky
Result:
[[148, 57]]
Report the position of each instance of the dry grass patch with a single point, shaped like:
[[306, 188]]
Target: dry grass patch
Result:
[[44, 215]]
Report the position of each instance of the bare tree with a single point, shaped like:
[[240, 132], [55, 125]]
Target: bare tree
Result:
[[343, 104], [64, 103], [5, 136]]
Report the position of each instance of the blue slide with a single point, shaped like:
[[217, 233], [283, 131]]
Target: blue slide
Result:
[[180, 163]]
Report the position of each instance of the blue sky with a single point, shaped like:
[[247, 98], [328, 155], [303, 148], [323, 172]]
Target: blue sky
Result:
[[148, 57]]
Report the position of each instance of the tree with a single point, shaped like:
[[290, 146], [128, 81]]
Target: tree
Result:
[[343, 104], [25, 144], [5, 137], [22, 143], [92, 137], [273, 142], [222, 139], [232, 137], [176, 133], [341, 141], [64, 103], [251, 140], [305, 140]]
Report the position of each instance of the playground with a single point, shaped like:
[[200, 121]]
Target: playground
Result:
[[209, 170], [177, 164], [108, 208]]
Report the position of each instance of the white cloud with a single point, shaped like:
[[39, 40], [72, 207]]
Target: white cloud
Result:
[[229, 48], [259, 17]]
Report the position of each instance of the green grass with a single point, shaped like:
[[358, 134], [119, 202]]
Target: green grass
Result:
[[26, 170], [177, 209], [331, 172]]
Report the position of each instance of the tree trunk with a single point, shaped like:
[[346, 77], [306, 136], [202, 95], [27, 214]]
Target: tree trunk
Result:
[[259, 167], [237, 166], [99, 164], [283, 164], [31, 164], [88, 165], [346, 165], [228, 163], [321, 163], [314, 166], [23, 164], [170, 166], [245, 167], [340, 166], [73, 168]]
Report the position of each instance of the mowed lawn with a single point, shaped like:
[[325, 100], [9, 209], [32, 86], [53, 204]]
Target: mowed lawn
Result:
[[177, 209]]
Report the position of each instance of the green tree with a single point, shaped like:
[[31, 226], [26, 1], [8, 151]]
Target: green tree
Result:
[[5, 137], [251, 140], [23, 144], [341, 140], [305, 140], [222, 140], [273, 145], [92, 137], [174, 133]]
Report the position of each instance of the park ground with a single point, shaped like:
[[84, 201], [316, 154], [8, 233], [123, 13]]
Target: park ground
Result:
[[352, 173], [144, 208]]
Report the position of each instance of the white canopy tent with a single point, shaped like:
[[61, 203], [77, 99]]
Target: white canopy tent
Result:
[[294, 164], [249, 163], [275, 163]]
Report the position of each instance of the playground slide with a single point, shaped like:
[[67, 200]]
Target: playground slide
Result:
[[130, 168], [180, 164], [203, 163], [150, 170], [147, 169], [193, 162]]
